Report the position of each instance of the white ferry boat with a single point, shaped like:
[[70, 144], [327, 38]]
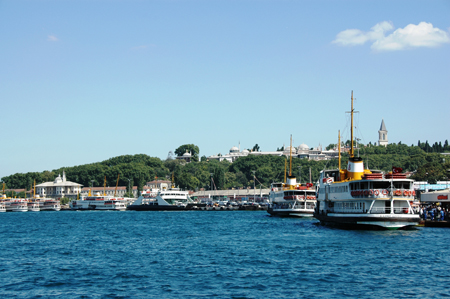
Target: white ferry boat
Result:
[[33, 205], [100, 202], [291, 199], [172, 199], [48, 204], [16, 205], [2, 205], [359, 197]]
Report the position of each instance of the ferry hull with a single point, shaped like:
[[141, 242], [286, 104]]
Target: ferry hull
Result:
[[369, 221], [296, 213], [156, 207]]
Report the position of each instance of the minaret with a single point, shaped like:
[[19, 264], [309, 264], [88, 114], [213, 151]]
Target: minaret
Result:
[[382, 135]]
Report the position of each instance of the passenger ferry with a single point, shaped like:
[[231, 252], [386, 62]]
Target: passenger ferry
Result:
[[291, 199], [100, 202], [49, 204], [16, 205], [172, 199], [33, 205], [359, 197]]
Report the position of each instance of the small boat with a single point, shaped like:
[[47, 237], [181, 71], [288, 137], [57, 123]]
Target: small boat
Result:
[[360, 198], [172, 199]]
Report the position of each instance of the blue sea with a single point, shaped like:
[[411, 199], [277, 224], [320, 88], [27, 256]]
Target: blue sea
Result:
[[221, 254]]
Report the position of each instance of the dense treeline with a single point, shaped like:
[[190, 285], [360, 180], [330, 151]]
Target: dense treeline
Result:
[[138, 169]]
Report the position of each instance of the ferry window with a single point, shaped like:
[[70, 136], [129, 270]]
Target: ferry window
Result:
[[381, 185]]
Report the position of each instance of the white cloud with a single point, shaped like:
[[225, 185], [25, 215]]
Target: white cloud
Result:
[[352, 37], [422, 35], [52, 38], [412, 36]]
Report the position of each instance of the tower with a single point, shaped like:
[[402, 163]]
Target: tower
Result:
[[382, 134]]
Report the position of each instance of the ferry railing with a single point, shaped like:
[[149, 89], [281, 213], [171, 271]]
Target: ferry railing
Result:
[[387, 210], [382, 210]]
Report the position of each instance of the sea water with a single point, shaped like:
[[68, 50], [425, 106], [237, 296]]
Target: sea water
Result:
[[223, 254]]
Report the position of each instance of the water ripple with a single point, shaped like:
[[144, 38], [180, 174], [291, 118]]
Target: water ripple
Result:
[[242, 254]]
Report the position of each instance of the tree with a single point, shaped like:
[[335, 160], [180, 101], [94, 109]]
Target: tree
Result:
[[255, 148], [331, 146], [188, 148]]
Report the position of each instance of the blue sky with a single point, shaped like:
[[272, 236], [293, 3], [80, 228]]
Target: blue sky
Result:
[[84, 81]]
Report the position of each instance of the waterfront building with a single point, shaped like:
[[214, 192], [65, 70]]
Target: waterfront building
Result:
[[59, 188], [119, 191], [157, 184]]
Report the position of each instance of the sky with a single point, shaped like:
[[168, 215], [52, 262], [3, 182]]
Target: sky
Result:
[[83, 81]]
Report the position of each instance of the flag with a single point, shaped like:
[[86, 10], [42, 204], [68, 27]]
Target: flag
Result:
[[396, 170]]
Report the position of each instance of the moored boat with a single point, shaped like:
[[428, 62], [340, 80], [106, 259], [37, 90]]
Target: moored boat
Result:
[[358, 197], [16, 205], [100, 202], [49, 204], [33, 205], [291, 199], [172, 199]]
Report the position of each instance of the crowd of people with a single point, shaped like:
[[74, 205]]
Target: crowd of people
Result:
[[434, 213]]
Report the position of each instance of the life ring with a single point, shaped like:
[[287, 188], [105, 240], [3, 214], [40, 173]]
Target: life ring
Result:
[[366, 192], [384, 192], [398, 192], [376, 192], [413, 193], [405, 193], [371, 192]]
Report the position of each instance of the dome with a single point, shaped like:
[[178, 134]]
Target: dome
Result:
[[58, 179], [186, 154], [245, 151], [287, 149], [234, 149], [303, 147]]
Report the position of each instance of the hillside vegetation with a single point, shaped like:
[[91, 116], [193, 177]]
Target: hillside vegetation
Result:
[[141, 168]]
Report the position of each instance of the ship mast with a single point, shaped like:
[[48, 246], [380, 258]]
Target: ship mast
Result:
[[104, 187], [351, 131], [290, 159], [339, 149]]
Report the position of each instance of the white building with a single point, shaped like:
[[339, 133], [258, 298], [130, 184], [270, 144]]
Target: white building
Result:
[[60, 187], [302, 151], [108, 191]]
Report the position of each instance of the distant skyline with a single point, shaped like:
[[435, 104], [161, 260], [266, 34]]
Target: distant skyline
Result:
[[84, 81]]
